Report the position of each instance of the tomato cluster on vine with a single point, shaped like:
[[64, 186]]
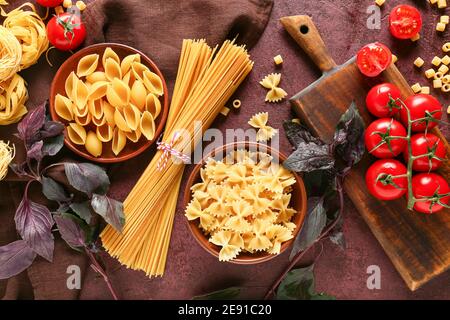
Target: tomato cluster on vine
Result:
[[400, 135]]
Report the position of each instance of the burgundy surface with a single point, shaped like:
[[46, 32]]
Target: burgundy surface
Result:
[[191, 270]]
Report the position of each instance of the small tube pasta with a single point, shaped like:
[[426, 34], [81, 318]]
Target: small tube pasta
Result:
[[96, 77], [93, 145], [437, 84], [416, 87], [419, 62], [430, 73], [98, 90], [63, 107], [147, 125], [443, 69], [118, 93], [436, 61], [438, 75], [76, 133], [119, 141], [138, 95], [446, 47], [425, 90], [112, 69], [153, 83], [109, 53], [153, 105], [87, 65], [104, 133], [445, 60]]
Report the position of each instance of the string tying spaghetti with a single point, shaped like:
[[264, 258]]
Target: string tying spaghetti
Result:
[[169, 150]]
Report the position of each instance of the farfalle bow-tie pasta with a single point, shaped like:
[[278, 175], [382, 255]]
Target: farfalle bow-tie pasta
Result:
[[242, 204], [271, 82], [116, 102]]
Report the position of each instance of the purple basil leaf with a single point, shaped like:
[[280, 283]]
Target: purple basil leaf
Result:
[[296, 133], [34, 223], [51, 129], [83, 210], [87, 178], [53, 145], [53, 190], [15, 258], [18, 169], [29, 127], [111, 210], [70, 230], [309, 157], [35, 152], [349, 136]]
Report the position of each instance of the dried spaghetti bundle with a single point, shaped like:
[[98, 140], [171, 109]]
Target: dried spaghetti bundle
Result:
[[10, 54], [6, 156], [29, 29], [206, 79], [13, 96]]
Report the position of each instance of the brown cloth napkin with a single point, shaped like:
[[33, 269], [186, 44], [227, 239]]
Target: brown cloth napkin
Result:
[[156, 28]]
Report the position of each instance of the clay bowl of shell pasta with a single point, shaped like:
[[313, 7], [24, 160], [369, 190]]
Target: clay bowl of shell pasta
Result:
[[216, 233], [113, 101]]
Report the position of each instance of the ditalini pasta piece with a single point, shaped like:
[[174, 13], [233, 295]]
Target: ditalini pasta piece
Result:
[[430, 73], [259, 121], [76, 133], [419, 62], [271, 82], [104, 132], [93, 145], [446, 47], [126, 63], [153, 83], [436, 61], [445, 60], [132, 116], [109, 54], [96, 77], [121, 123], [63, 107], [118, 93], [147, 125], [98, 90], [119, 141], [425, 90], [138, 95], [416, 37], [112, 69], [416, 87], [87, 65]]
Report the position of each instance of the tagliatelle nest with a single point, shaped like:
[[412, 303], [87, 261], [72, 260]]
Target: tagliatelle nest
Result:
[[7, 153], [13, 96], [10, 55]]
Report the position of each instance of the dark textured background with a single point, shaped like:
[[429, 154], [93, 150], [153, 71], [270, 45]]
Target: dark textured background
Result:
[[190, 270]]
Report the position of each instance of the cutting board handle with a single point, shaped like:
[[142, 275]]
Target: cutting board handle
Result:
[[305, 33]]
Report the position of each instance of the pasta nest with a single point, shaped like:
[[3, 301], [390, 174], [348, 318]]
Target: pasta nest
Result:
[[10, 54], [13, 96], [29, 29], [7, 153]]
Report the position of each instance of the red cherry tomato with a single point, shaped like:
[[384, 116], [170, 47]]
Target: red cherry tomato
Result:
[[425, 185], [421, 105], [381, 181], [405, 22], [66, 31], [374, 58], [379, 138], [426, 144], [49, 3], [381, 102]]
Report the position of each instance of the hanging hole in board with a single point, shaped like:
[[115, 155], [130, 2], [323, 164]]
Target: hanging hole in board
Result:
[[304, 29]]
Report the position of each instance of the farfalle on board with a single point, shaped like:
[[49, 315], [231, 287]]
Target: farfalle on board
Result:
[[271, 82], [265, 132]]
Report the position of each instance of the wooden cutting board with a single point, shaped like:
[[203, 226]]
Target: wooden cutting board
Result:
[[417, 244]]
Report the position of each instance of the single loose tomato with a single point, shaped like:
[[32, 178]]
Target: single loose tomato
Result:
[[374, 58], [431, 190], [429, 148], [421, 106], [381, 100], [66, 31], [405, 22], [383, 138], [49, 3], [386, 179]]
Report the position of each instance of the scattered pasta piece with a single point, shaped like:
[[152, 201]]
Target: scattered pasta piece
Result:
[[278, 59], [7, 154], [416, 87], [446, 47], [296, 120], [448, 110], [225, 111], [442, 4], [242, 203], [445, 60], [81, 5], [436, 61], [438, 75], [437, 84], [59, 10], [67, 3], [13, 96], [425, 90], [430, 73], [443, 69], [440, 27], [380, 2], [394, 58], [237, 104], [446, 79], [419, 62], [433, 1], [265, 132], [446, 87], [444, 19], [271, 82], [416, 37]]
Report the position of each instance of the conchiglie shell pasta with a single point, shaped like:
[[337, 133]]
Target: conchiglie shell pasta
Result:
[[108, 113], [147, 125], [119, 140], [134, 135], [98, 121], [138, 70], [70, 84], [80, 94], [132, 116], [98, 90], [83, 121], [118, 93], [120, 121], [125, 66], [153, 83], [112, 70], [77, 112], [87, 65], [104, 133], [129, 78], [63, 107], [93, 145], [95, 108], [76, 133], [153, 105], [138, 94], [97, 76], [109, 54]]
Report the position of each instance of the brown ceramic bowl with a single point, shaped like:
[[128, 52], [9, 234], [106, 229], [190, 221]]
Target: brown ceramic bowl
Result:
[[131, 149], [298, 202]]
